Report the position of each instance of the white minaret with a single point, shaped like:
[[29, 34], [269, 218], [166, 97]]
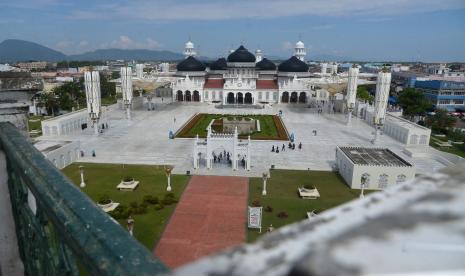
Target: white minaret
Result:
[[324, 68], [383, 84], [126, 87], [93, 96], [258, 55], [333, 68], [189, 50], [299, 50], [140, 70], [351, 91]]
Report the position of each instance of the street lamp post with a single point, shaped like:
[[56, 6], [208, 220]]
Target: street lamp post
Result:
[[168, 170], [81, 171], [265, 178]]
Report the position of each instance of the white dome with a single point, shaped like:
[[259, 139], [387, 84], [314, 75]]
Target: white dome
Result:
[[189, 45], [258, 51], [299, 44]]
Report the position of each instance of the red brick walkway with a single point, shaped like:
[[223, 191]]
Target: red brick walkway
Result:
[[210, 217]]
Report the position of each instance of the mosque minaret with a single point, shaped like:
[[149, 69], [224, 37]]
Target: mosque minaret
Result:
[[299, 50]]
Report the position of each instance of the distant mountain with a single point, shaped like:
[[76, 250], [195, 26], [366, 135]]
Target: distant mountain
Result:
[[324, 57], [136, 54], [12, 50]]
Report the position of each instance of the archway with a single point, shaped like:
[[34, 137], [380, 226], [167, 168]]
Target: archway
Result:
[[240, 98], [302, 97], [293, 97], [230, 99], [188, 96], [196, 96], [248, 98], [285, 97], [179, 96]]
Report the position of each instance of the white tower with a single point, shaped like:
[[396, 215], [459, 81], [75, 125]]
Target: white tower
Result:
[[93, 96], [140, 70], [333, 68], [299, 50], [189, 50], [383, 84], [351, 91], [258, 55], [126, 87], [324, 68]]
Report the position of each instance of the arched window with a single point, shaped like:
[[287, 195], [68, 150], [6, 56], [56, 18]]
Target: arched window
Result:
[[365, 180], [400, 179], [383, 181], [423, 139], [413, 139]]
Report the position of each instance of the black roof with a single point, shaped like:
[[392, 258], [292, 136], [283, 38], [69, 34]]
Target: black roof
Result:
[[266, 64], [220, 64], [293, 65], [241, 55], [191, 64]]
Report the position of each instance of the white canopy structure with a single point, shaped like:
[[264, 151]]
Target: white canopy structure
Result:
[[93, 96]]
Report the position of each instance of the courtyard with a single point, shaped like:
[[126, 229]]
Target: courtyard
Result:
[[145, 140]]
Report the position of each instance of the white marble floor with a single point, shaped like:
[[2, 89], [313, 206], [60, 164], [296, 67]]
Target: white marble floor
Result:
[[145, 140]]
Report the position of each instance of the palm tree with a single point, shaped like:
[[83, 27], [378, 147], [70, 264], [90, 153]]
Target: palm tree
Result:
[[50, 101]]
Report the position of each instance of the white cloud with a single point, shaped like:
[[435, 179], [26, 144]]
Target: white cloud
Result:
[[125, 42], [221, 10]]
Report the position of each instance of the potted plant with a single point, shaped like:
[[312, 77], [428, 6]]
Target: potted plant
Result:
[[104, 201], [128, 180]]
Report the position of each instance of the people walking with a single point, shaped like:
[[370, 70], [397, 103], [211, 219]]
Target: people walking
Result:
[[300, 145]]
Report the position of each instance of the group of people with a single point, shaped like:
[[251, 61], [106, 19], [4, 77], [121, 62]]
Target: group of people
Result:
[[283, 148], [225, 156], [82, 153]]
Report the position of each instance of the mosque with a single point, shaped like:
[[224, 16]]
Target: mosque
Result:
[[243, 78]]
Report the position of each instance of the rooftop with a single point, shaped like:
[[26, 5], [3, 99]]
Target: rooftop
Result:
[[374, 156]]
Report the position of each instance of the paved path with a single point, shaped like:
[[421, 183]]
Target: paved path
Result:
[[210, 217]]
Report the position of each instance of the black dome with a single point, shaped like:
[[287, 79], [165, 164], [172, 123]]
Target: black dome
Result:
[[220, 64], [293, 65], [266, 64], [241, 55], [190, 64]]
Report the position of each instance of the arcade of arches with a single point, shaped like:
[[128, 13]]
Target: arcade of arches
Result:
[[293, 97], [188, 96]]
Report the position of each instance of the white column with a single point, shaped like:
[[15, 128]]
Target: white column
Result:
[[351, 92], [264, 187], [383, 84]]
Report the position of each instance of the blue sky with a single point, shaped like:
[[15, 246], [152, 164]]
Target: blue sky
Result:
[[427, 30]]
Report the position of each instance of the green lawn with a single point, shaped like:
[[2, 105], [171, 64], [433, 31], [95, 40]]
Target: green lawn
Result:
[[268, 128], [102, 179], [454, 149], [36, 125], [282, 195], [108, 100]]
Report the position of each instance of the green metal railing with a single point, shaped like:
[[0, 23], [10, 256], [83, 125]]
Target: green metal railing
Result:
[[66, 232]]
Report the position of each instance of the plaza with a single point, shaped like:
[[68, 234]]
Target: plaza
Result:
[[145, 140]]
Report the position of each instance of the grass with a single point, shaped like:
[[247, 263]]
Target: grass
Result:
[[108, 100], [282, 196], [102, 179], [268, 125], [36, 125], [454, 149]]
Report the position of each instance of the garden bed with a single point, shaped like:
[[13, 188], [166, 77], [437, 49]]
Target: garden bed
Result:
[[271, 127]]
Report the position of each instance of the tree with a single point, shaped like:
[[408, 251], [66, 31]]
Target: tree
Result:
[[363, 94], [413, 102], [70, 95], [441, 121], [107, 88], [115, 75], [50, 102]]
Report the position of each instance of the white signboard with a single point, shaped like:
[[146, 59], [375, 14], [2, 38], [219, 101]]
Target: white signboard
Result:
[[255, 217]]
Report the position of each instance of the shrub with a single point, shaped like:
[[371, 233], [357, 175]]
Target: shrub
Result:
[[269, 209], [139, 210], [121, 212], [128, 178], [309, 186], [256, 203], [104, 199], [133, 204], [282, 215], [169, 199], [158, 206], [149, 199]]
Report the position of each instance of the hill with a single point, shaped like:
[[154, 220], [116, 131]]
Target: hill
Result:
[[136, 54], [12, 50]]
